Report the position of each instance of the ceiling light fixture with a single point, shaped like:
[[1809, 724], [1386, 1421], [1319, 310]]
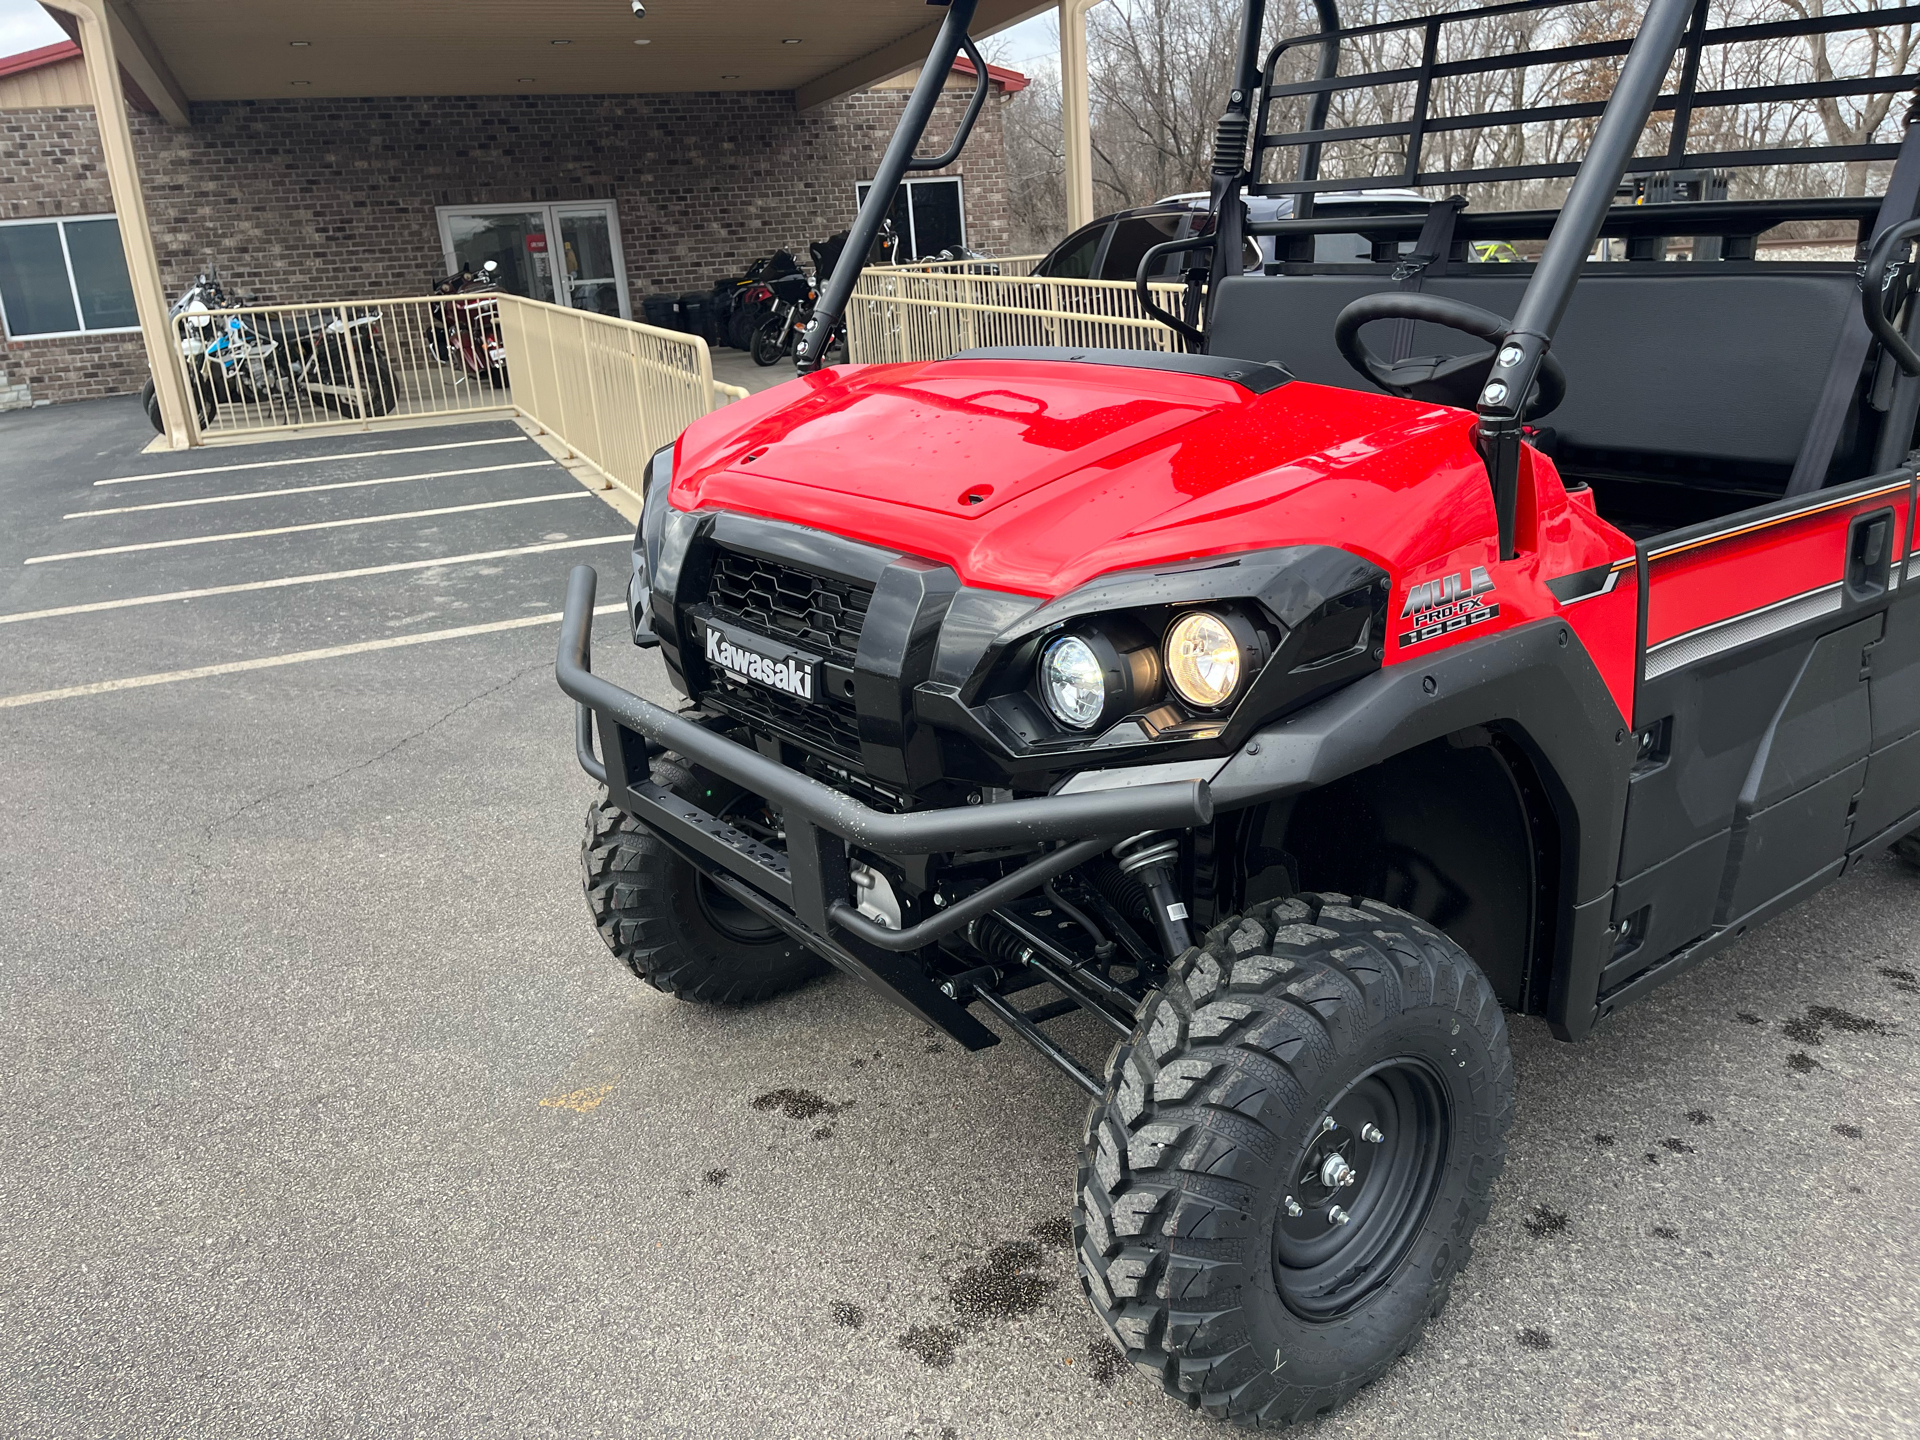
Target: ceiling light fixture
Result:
[[300, 82], [560, 42], [789, 42], [729, 77], [643, 41], [524, 80], [299, 44]]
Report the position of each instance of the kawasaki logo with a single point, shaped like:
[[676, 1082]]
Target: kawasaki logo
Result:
[[1438, 606], [792, 677]]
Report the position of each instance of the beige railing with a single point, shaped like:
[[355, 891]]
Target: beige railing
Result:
[[262, 368], [613, 390], [900, 314], [996, 265]]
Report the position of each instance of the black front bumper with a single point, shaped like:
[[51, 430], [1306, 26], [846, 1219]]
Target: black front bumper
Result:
[[806, 889]]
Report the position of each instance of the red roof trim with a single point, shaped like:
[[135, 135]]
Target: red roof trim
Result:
[[36, 59], [1011, 81]]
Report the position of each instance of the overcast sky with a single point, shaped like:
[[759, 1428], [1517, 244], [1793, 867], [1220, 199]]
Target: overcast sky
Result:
[[25, 26], [1032, 45]]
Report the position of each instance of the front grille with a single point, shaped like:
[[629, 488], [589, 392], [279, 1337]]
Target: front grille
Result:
[[816, 612], [823, 727]]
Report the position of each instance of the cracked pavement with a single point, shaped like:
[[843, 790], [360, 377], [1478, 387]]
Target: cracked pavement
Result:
[[328, 1114]]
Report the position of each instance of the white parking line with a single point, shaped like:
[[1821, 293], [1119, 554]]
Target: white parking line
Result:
[[304, 489], [314, 459], [472, 558], [268, 662], [313, 525]]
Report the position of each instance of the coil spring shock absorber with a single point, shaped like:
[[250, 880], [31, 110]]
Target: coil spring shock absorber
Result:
[[1151, 856]]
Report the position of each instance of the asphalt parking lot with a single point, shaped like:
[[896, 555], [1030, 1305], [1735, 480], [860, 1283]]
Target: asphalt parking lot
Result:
[[328, 1114]]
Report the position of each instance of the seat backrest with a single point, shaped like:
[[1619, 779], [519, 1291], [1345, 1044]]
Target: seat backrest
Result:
[[1674, 360]]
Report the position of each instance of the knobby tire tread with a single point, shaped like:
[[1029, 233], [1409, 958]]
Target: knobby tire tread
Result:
[[630, 876], [1224, 1055]]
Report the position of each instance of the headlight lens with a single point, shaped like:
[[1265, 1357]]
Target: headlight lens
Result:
[[1203, 660], [1072, 682]]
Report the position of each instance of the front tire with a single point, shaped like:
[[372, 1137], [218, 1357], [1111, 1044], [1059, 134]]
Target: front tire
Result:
[[206, 403], [378, 387], [1210, 1175], [769, 340], [679, 932]]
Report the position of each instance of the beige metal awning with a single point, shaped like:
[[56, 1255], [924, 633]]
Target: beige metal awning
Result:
[[188, 50], [171, 53]]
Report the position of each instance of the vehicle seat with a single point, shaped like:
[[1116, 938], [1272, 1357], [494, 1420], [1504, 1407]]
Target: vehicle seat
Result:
[[293, 326], [1689, 367]]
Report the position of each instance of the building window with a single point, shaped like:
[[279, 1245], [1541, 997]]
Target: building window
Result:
[[927, 215], [64, 277]]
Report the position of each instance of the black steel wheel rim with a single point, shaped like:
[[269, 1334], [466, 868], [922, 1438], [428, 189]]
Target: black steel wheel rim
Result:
[[1376, 1157]]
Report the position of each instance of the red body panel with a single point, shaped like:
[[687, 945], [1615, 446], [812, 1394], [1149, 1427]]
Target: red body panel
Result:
[[1036, 476], [1749, 567]]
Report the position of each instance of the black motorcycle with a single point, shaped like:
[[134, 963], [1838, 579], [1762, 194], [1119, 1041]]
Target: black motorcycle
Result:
[[789, 308], [739, 304]]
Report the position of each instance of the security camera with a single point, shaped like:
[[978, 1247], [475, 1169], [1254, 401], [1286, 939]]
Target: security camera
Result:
[[639, 10]]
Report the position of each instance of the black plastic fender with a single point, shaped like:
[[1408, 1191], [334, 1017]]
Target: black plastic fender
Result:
[[1538, 684]]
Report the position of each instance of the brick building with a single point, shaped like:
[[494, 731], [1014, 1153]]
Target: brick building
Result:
[[355, 198]]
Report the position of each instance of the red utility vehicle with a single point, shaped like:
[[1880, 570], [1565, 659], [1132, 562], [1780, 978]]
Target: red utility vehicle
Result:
[[1432, 640]]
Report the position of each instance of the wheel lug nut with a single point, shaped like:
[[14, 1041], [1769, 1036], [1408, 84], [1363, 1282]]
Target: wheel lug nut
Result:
[[1293, 1208], [1337, 1216], [1336, 1172], [1371, 1133]]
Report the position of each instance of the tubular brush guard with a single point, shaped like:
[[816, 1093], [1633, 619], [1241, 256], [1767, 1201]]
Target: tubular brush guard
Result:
[[806, 889]]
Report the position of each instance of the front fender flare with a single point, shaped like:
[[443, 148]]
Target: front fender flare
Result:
[[1538, 684]]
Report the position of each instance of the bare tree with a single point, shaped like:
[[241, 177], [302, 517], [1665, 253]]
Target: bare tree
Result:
[[1160, 70], [1036, 166], [1880, 50]]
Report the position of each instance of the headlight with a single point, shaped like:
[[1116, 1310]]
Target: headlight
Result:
[[1073, 682], [1204, 664], [1093, 676]]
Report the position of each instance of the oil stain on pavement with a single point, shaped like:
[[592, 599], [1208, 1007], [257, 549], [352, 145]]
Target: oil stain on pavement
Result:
[[796, 1104]]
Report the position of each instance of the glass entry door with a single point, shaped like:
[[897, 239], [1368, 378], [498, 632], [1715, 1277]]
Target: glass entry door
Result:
[[565, 254], [589, 260], [514, 240]]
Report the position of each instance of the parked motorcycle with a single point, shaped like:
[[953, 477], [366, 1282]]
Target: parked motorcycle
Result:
[[203, 295], [276, 360], [750, 296], [467, 335], [789, 305]]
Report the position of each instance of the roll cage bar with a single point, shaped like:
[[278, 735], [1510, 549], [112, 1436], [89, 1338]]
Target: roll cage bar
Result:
[[948, 45], [1245, 145]]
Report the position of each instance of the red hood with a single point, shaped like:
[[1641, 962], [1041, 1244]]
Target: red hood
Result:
[[1033, 476]]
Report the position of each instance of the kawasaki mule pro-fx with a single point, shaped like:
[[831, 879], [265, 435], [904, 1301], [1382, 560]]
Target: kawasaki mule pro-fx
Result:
[[1433, 639]]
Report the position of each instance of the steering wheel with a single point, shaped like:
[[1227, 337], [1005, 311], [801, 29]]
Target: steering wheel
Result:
[[1439, 379]]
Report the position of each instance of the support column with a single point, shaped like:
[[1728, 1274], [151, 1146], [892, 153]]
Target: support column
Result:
[[1076, 111], [130, 206]]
